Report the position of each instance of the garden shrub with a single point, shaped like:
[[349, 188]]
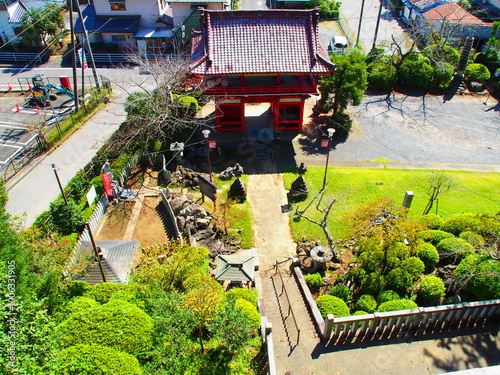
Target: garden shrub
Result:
[[373, 283], [356, 274], [431, 288], [371, 261], [75, 305], [428, 254], [431, 221], [117, 324], [477, 73], [414, 266], [392, 262], [461, 223], [104, 292], [366, 303], [332, 305], [416, 74], [387, 295], [398, 250], [67, 218], [485, 285], [250, 311], [434, 236], [342, 292], [98, 184], [399, 280], [94, 359], [443, 74], [78, 186], [402, 304], [249, 295], [442, 53], [471, 237], [382, 76], [452, 250], [314, 280], [359, 313], [341, 122]]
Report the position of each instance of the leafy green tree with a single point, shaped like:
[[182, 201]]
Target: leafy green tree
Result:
[[67, 218], [117, 324], [432, 288], [83, 359], [327, 8], [349, 82], [416, 74], [382, 76], [396, 305], [442, 53], [39, 25], [477, 73], [443, 74]]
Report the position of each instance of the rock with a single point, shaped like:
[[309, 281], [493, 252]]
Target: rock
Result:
[[299, 189], [198, 211], [202, 223], [237, 170]]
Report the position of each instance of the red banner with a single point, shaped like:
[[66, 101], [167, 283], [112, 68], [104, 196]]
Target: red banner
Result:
[[325, 143], [106, 180]]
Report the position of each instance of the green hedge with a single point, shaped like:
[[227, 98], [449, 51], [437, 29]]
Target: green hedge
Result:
[[249, 295], [428, 254], [366, 303], [332, 305], [431, 221], [402, 304], [461, 223], [434, 236], [387, 295]]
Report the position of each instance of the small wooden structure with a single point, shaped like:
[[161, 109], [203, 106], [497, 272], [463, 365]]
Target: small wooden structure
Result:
[[235, 269]]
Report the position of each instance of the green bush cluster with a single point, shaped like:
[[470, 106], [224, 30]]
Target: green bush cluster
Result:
[[428, 254], [434, 236], [416, 73], [477, 73], [342, 292], [387, 295], [373, 283], [461, 223], [382, 75], [432, 288], [250, 312], [249, 295], [414, 266], [366, 303], [332, 305], [471, 237], [314, 279], [431, 221], [399, 280], [402, 304], [452, 250], [485, 271]]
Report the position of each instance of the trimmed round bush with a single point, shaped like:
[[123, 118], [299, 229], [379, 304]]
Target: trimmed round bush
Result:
[[366, 303], [471, 237], [359, 313], [103, 292], [414, 266], [402, 304], [381, 76], [371, 261], [94, 359], [373, 284], [392, 262], [250, 311], [434, 236], [314, 279], [452, 250], [387, 295], [485, 285], [332, 305], [442, 53], [428, 254], [461, 223], [431, 221], [416, 74], [75, 305], [443, 74], [249, 295], [342, 292], [117, 324], [399, 280], [398, 250], [477, 73], [432, 288]]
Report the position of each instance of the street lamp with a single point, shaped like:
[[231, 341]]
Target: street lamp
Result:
[[330, 132], [206, 134]]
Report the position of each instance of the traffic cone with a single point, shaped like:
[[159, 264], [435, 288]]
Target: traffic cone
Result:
[[17, 108], [37, 110], [10, 87]]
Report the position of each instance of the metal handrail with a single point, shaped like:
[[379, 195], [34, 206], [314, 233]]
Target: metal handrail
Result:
[[290, 310]]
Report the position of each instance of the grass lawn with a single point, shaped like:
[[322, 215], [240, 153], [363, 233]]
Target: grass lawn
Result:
[[239, 215], [471, 192]]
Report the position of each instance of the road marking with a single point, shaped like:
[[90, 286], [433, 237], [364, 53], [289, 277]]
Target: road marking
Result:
[[11, 124]]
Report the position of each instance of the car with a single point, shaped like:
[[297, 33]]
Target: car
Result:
[[337, 45]]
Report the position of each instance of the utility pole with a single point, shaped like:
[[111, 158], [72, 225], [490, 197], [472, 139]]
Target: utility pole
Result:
[[73, 54], [59, 183], [377, 25], [360, 20], [91, 55], [96, 251]]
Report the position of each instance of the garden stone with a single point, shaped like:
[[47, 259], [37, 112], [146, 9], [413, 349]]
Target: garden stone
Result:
[[202, 223]]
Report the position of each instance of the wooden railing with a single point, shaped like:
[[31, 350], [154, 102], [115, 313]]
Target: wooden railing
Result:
[[219, 90]]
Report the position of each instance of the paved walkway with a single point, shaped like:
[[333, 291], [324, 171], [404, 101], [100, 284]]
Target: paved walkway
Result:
[[431, 355]]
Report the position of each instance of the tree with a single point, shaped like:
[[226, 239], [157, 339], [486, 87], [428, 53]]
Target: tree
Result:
[[416, 73], [439, 184], [348, 83], [66, 217], [381, 75], [41, 24]]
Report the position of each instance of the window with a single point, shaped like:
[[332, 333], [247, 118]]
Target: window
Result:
[[3, 6], [118, 38], [118, 6]]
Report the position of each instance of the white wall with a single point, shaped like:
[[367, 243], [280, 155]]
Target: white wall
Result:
[[149, 10]]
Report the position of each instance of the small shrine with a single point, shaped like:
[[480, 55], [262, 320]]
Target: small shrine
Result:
[[259, 56]]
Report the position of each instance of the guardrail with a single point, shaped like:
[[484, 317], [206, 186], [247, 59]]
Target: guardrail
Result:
[[23, 57], [127, 58]]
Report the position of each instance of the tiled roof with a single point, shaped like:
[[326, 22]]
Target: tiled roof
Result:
[[234, 268], [104, 24], [453, 13], [16, 10], [263, 41]]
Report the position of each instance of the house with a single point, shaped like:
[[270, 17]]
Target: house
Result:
[[147, 25], [12, 13], [259, 56]]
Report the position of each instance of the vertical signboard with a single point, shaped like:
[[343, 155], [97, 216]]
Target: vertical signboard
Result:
[[106, 180], [83, 59]]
